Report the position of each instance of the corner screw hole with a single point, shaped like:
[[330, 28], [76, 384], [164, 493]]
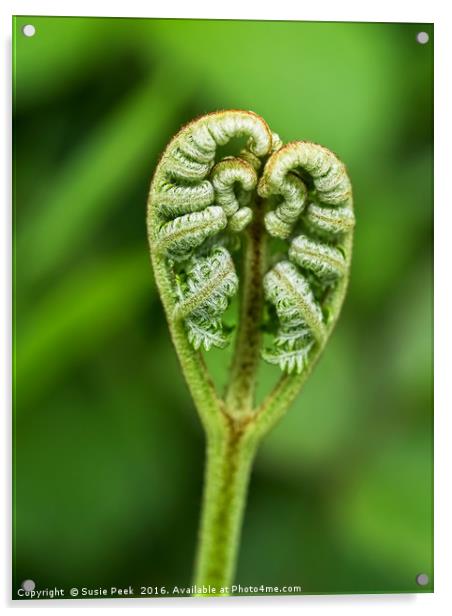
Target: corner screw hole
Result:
[[28, 585], [422, 38], [422, 579], [28, 30]]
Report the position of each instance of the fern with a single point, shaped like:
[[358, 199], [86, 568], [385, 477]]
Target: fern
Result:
[[202, 214], [204, 296], [307, 282]]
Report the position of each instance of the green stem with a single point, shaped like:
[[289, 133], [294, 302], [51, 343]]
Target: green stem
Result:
[[231, 449], [228, 465], [240, 393]]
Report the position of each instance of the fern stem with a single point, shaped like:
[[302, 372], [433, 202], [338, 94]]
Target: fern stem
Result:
[[240, 392], [229, 459]]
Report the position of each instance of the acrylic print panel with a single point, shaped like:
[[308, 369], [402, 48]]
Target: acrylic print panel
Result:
[[108, 445]]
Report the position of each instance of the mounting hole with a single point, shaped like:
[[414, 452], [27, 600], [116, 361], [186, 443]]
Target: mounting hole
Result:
[[422, 579], [28, 30], [28, 585], [422, 38]]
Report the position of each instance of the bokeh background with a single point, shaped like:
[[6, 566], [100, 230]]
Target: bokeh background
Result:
[[107, 444]]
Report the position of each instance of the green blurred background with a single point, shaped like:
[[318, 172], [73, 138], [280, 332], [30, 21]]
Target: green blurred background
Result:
[[108, 447]]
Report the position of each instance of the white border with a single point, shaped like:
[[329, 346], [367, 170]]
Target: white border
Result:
[[327, 10]]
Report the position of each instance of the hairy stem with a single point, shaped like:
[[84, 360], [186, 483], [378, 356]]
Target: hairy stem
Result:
[[240, 392], [228, 465]]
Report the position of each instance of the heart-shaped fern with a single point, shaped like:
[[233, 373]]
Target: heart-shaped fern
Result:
[[273, 223], [198, 204]]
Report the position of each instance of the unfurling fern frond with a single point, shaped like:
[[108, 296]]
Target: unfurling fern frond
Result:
[[179, 237], [225, 176], [313, 281], [209, 284], [288, 205], [330, 222], [325, 261], [183, 182], [300, 318], [280, 222], [197, 204]]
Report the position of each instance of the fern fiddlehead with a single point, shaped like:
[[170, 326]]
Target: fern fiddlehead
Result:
[[303, 288], [209, 219]]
